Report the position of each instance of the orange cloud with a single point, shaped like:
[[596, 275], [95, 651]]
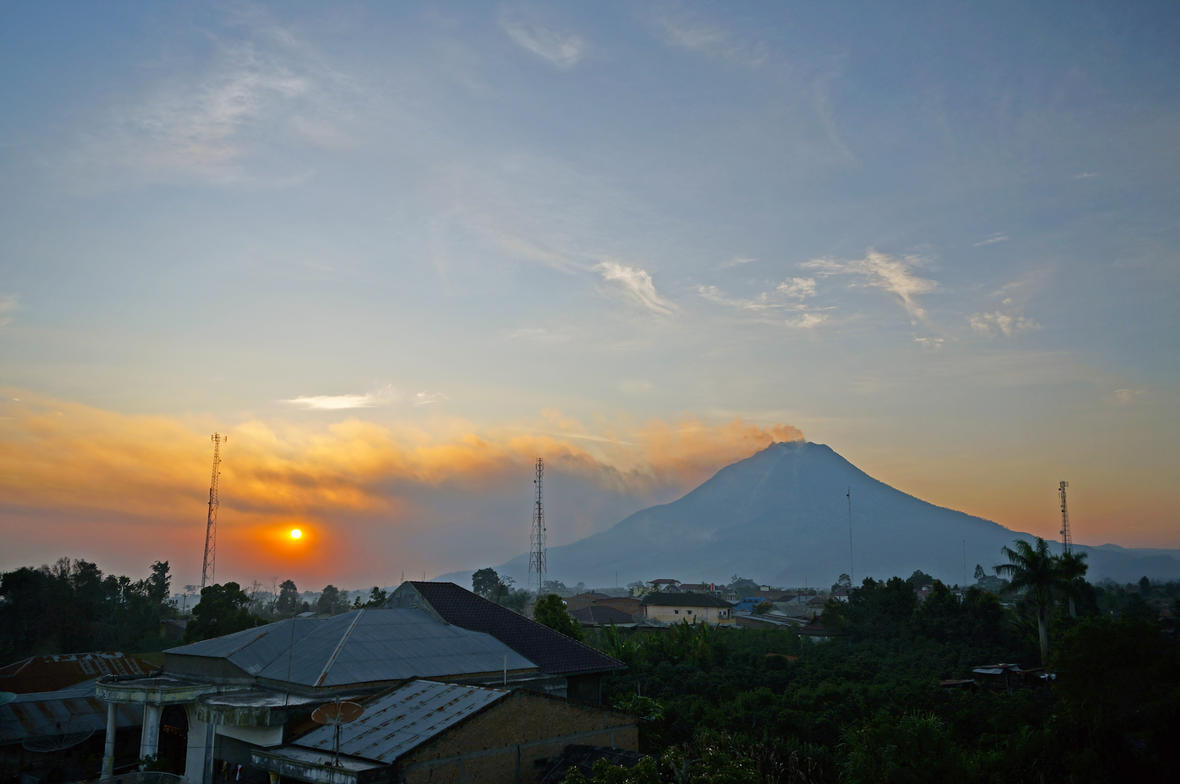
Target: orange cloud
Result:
[[372, 499]]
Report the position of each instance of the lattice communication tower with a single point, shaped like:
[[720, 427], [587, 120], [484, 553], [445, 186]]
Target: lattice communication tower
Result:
[[537, 547], [1066, 537], [209, 562]]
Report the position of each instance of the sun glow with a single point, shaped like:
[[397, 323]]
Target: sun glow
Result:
[[296, 533]]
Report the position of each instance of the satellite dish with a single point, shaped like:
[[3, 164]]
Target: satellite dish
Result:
[[337, 713]]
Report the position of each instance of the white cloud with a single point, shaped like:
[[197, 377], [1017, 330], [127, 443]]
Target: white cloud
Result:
[[559, 49], [929, 343], [992, 240], [428, 398], [9, 304], [713, 41], [1086, 175], [383, 396], [1006, 324], [797, 288], [1125, 397], [888, 273], [737, 261], [806, 320], [717, 297], [635, 284]]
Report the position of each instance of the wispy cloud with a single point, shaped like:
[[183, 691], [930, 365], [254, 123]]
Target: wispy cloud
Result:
[[806, 320], [1086, 175], [713, 41], [560, 49], [1125, 397], [428, 398], [636, 285], [998, 322], [9, 304], [797, 288], [992, 240], [539, 335], [760, 302], [737, 261], [380, 397], [929, 343], [893, 274]]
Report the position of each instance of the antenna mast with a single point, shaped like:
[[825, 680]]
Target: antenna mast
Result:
[[1066, 537], [537, 549], [208, 564]]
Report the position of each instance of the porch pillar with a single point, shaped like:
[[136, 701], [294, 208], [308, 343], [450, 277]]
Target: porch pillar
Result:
[[108, 752], [149, 738]]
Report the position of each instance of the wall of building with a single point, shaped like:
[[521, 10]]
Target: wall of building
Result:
[[514, 740], [713, 615]]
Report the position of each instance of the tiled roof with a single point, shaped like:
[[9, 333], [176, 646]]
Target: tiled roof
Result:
[[684, 600], [553, 652], [601, 615]]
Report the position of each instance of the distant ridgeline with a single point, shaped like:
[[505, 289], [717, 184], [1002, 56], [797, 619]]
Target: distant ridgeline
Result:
[[782, 516]]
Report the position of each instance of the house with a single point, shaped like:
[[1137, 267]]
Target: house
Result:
[[567, 668], [243, 698], [601, 615], [427, 731], [688, 607], [624, 604], [664, 584], [57, 671]]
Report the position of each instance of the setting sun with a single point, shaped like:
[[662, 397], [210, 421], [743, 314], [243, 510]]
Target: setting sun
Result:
[[296, 533]]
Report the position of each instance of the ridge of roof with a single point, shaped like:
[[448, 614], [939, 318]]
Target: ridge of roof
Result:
[[684, 600], [339, 647], [530, 639]]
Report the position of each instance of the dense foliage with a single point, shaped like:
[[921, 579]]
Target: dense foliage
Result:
[[550, 610], [72, 607], [746, 705]]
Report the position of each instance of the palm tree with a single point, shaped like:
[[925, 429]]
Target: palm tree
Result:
[[1033, 569], [1071, 568]]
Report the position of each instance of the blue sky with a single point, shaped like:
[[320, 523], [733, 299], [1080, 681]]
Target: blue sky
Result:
[[939, 237]]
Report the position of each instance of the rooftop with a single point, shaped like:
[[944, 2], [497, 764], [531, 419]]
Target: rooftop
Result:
[[361, 646], [57, 671], [684, 600], [553, 652]]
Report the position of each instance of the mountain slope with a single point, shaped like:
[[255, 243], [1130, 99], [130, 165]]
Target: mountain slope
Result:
[[782, 516]]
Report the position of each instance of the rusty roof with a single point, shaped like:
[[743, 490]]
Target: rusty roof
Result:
[[57, 671], [55, 718]]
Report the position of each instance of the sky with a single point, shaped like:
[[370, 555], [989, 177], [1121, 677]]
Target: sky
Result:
[[397, 251]]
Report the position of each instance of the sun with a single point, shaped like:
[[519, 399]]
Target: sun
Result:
[[296, 533]]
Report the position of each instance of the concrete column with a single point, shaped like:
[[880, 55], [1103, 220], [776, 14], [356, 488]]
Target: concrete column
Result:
[[108, 753], [149, 738]]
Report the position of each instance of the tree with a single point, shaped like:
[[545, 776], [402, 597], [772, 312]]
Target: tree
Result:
[[159, 585], [1034, 571], [550, 611], [288, 602], [485, 582], [331, 601], [979, 573], [222, 610], [377, 597], [1071, 569]]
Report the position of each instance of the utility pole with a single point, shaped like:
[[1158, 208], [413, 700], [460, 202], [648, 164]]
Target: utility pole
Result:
[[1066, 537], [209, 562], [537, 540]]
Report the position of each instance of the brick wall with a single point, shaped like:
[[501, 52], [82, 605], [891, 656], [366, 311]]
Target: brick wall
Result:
[[513, 740]]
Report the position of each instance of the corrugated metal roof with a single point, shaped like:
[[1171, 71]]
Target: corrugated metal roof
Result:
[[553, 652], [68, 711], [362, 646], [403, 719]]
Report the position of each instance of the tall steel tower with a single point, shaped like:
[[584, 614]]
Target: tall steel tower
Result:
[[1066, 537], [537, 545], [208, 564]]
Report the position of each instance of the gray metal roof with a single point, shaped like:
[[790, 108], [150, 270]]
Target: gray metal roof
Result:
[[403, 719], [362, 646], [67, 713]]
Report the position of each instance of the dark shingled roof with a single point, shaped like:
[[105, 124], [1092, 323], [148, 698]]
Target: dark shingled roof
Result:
[[601, 615], [685, 600], [552, 651]]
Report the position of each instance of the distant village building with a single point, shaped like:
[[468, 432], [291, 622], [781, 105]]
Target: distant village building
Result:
[[453, 687], [688, 607]]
